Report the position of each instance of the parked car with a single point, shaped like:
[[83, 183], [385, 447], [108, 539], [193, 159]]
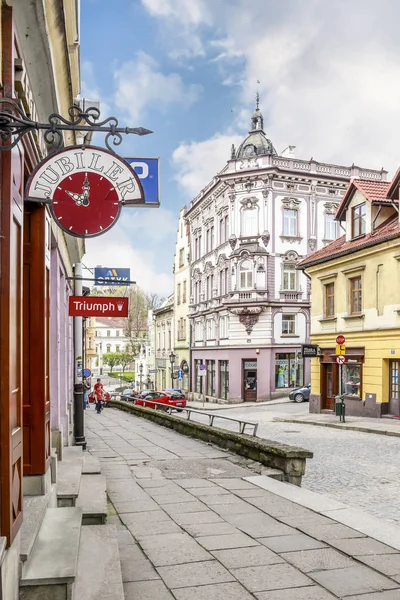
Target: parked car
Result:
[[300, 394], [127, 395], [174, 399], [175, 393]]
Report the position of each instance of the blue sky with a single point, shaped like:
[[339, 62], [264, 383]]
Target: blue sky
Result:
[[188, 70]]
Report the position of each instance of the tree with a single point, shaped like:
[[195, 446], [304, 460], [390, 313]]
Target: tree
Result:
[[112, 359], [126, 358], [154, 300], [136, 323]]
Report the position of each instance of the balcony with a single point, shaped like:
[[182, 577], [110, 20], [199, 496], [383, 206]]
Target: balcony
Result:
[[291, 295]]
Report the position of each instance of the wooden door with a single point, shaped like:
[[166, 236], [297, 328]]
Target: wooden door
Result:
[[330, 385], [250, 385], [36, 406], [11, 225]]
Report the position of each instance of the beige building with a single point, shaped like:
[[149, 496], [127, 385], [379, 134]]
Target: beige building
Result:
[[181, 303]]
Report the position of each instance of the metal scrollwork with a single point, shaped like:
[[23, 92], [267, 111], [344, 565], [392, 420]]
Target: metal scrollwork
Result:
[[14, 125]]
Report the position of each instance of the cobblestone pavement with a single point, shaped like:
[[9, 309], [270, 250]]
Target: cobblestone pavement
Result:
[[190, 527], [359, 469]]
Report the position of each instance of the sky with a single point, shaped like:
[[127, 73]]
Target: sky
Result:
[[328, 74]]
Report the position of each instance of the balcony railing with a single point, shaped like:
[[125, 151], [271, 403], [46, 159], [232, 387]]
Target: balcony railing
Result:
[[290, 295]]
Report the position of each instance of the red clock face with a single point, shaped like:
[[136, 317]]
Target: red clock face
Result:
[[85, 204]]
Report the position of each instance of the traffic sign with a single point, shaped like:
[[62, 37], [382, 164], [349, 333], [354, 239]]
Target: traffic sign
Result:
[[340, 339], [202, 367], [87, 372], [340, 359], [340, 349], [180, 374]]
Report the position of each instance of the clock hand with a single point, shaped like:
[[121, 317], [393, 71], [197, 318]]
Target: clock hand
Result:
[[76, 197], [86, 191]]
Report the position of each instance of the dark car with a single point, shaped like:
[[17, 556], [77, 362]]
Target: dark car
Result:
[[300, 394]]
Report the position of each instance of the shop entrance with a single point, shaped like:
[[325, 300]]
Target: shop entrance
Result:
[[250, 380], [330, 385]]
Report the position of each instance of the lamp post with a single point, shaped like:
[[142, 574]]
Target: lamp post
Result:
[[172, 361], [140, 375]]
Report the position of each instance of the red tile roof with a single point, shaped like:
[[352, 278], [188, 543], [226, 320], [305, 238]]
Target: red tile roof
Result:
[[389, 229], [374, 191]]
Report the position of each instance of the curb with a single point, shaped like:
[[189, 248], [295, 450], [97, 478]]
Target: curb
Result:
[[207, 405], [358, 428]]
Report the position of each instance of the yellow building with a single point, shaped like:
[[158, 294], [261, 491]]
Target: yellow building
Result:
[[355, 293]]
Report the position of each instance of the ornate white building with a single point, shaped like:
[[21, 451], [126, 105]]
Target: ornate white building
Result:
[[249, 305]]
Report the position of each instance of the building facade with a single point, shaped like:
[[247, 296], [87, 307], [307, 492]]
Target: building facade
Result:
[[181, 303], [109, 337], [164, 339], [249, 305], [356, 294]]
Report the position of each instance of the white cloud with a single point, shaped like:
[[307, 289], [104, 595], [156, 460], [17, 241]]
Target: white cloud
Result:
[[117, 250], [186, 12], [196, 163], [158, 224], [141, 87]]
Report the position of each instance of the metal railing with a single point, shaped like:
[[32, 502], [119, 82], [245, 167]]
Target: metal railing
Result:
[[211, 417]]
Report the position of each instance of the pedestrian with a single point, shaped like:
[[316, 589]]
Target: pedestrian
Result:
[[98, 394], [86, 391]]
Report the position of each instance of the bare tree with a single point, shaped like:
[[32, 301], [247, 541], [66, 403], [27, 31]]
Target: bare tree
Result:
[[154, 300], [136, 322]]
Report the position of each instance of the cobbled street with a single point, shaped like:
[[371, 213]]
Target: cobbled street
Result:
[[359, 469]]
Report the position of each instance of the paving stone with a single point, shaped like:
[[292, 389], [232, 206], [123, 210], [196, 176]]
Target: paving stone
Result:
[[291, 543], [236, 484], [388, 564], [124, 537], [207, 491], [236, 508], [222, 542], [219, 591], [318, 560], [361, 546], [172, 488], [187, 575], [390, 595], [252, 556], [139, 506], [259, 525], [252, 492], [181, 496], [147, 590], [191, 483], [303, 593], [185, 507], [135, 566], [205, 529], [173, 549], [200, 468], [279, 576], [328, 532], [146, 519], [207, 516], [352, 580]]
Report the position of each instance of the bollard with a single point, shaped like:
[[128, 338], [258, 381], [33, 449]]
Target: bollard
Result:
[[340, 408]]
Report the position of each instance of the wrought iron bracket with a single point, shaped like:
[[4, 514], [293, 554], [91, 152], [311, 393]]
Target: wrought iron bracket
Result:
[[14, 125]]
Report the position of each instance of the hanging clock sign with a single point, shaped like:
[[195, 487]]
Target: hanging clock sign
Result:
[[85, 187]]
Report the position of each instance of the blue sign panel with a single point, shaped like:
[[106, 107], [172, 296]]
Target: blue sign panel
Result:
[[180, 374], [108, 276], [147, 169]]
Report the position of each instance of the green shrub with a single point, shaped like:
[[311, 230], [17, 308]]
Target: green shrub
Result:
[[128, 376]]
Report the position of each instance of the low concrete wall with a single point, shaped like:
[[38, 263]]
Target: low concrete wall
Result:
[[291, 460]]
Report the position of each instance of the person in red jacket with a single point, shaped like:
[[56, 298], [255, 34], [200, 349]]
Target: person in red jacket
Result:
[[98, 394]]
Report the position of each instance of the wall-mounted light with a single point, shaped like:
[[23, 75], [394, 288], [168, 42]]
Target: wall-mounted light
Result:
[[257, 351]]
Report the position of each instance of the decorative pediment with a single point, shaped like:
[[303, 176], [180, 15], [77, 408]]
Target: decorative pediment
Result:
[[291, 256], [196, 274], [208, 267], [222, 260], [291, 203], [248, 316], [331, 207], [249, 203]]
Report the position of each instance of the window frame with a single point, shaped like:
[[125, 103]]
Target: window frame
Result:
[[333, 222], [352, 292], [288, 318], [327, 297], [295, 212], [289, 267], [248, 273], [358, 220]]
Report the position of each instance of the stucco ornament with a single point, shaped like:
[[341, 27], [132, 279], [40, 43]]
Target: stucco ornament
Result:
[[232, 241], [248, 316], [265, 237]]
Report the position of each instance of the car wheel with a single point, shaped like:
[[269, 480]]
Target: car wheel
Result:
[[298, 398], [179, 410]]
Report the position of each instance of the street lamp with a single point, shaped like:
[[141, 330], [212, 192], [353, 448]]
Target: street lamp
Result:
[[140, 375], [172, 361]]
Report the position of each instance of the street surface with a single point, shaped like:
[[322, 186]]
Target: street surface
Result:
[[359, 469]]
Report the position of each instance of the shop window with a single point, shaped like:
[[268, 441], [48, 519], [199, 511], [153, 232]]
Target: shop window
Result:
[[288, 324], [355, 295], [199, 377], [223, 379], [329, 300], [394, 367], [210, 366], [246, 275], [290, 222], [358, 214], [289, 370], [351, 380]]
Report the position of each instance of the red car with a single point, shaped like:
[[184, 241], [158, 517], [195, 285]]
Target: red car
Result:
[[171, 399]]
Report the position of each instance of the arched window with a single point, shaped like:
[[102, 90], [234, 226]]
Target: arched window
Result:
[[246, 275]]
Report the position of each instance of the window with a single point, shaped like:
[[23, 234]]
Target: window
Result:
[[223, 229], [178, 293], [330, 227], [117, 348], [108, 347], [288, 324], [96, 334], [223, 327], [358, 220], [355, 296], [351, 380], [159, 341], [210, 329], [108, 333], [90, 343], [169, 339], [210, 287], [197, 247], [197, 292], [199, 377], [97, 348], [184, 292], [223, 379], [210, 238], [329, 300], [289, 277], [198, 331], [181, 326], [289, 370], [249, 222], [223, 282], [394, 367], [246, 275], [290, 222], [117, 332], [181, 257], [210, 367]]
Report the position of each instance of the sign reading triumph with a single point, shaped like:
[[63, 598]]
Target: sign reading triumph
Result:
[[108, 276]]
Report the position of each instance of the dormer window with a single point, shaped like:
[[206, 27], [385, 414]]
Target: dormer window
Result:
[[358, 220]]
